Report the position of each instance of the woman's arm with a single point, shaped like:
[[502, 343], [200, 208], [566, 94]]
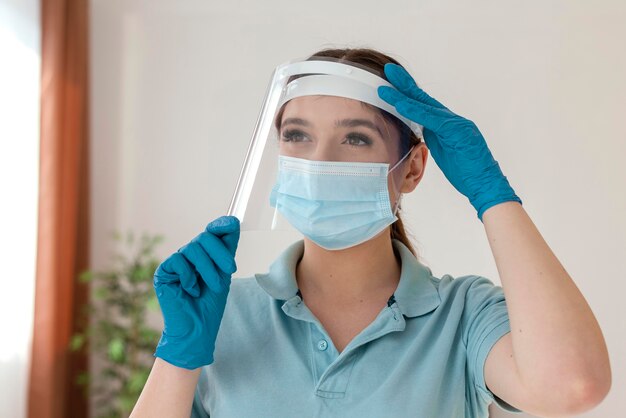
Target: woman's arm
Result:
[[192, 287], [555, 360], [555, 350], [168, 392]]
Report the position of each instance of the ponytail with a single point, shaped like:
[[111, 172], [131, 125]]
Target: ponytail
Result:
[[398, 232]]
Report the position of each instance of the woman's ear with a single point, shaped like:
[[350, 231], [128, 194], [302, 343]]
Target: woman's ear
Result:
[[414, 171]]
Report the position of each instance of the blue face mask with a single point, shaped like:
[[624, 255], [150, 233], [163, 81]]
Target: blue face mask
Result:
[[337, 205]]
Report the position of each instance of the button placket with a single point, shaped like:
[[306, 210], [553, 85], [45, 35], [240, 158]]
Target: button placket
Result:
[[331, 370], [333, 383], [322, 345], [321, 359]]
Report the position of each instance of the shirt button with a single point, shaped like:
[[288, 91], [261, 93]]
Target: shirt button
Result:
[[322, 345]]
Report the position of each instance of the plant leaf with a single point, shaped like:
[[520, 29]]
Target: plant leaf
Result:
[[101, 293], [137, 381], [116, 350], [153, 303], [77, 341], [82, 379], [85, 276], [127, 401]]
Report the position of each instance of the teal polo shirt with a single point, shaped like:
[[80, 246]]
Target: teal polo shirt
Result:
[[423, 355]]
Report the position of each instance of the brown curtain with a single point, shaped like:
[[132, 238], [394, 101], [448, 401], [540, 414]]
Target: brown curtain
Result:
[[62, 247]]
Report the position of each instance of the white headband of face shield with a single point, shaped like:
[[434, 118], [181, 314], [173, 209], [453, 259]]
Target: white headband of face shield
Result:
[[337, 79]]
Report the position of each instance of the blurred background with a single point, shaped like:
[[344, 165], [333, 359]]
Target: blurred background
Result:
[[124, 125]]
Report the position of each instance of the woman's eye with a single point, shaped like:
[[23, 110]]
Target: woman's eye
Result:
[[358, 140], [294, 136]]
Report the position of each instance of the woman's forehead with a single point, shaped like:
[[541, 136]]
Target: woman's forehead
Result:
[[329, 109]]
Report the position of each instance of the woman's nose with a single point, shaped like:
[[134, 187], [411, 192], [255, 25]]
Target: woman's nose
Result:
[[324, 151]]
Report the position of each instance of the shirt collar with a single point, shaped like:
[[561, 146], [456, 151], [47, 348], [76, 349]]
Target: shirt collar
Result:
[[415, 295]]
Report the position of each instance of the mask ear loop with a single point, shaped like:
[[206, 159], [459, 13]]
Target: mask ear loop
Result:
[[396, 206]]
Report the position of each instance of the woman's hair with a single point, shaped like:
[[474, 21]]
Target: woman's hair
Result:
[[375, 62]]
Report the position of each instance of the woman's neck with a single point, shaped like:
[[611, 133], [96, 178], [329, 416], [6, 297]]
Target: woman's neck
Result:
[[365, 272]]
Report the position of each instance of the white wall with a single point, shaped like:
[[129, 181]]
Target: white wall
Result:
[[177, 85], [20, 62]]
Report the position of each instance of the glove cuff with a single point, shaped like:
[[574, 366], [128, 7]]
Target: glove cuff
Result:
[[499, 192], [186, 353], [183, 361]]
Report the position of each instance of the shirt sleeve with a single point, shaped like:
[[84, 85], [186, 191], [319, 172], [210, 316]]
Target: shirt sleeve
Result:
[[485, 320]]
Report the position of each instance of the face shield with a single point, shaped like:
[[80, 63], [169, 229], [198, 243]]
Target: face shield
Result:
[[321, 117]]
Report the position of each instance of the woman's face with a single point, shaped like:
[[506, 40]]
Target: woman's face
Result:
[[329, 128]]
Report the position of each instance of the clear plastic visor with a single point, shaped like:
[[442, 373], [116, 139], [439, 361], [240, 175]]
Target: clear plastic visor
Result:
[[319, 110]]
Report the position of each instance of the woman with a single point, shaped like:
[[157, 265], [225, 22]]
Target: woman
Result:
[[352, 324]]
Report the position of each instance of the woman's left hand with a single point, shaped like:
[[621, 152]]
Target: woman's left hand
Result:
[[456, 144]]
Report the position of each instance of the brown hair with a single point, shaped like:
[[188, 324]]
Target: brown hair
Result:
[[375, 62]]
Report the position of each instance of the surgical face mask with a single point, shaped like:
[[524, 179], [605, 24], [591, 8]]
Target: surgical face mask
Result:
[[337, 205]]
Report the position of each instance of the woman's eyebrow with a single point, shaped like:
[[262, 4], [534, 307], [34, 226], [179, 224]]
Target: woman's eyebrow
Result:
[[352, 123], [343, 123], [296, 121]]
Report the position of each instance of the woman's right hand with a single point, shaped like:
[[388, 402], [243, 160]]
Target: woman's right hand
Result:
[[192, 286]]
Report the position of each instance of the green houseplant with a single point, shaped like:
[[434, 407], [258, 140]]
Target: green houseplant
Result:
[[118, 333]]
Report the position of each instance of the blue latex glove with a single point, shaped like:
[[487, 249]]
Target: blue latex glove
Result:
[[456, 144], [192, 286]]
